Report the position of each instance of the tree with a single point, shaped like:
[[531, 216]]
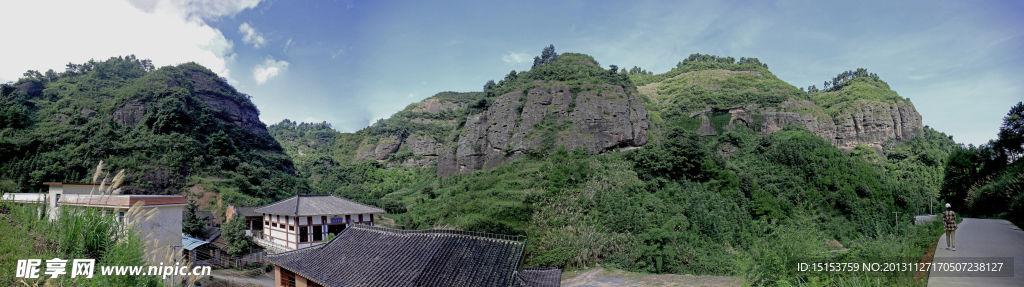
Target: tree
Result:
[[1011, 134], [192, 225], [548, 53], [233, 232], [546, 56]]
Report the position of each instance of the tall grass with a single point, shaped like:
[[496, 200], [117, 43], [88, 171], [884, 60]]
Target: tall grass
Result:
[[28, 232]]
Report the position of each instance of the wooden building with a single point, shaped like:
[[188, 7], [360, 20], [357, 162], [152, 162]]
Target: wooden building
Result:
[[253, 219], [377, 256], [305, 220]]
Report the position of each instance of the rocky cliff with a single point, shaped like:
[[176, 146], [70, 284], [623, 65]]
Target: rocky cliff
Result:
[[862, 110], [870, 123], [597, 118]]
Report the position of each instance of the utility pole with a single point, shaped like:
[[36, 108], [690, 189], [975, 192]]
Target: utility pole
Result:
[[897, 219]]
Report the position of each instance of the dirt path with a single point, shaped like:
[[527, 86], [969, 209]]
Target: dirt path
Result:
[[263, 280], [617, 278]]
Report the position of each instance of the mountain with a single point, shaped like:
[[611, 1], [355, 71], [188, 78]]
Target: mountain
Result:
[[714, 167], [533, 112], [164, 126]]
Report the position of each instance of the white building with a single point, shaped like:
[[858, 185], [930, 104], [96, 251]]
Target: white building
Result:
[[305, 220], [163, 230]]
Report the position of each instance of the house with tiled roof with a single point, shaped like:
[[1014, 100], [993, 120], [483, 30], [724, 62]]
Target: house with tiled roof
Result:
[[305, 220], [365, 255], [253, 219]]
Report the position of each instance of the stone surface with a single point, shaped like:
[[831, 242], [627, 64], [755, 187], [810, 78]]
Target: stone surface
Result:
[[243, 116], [387, 146], [31, 89], [598, 119], [366, 152], [130, 114], [870, 123], [422, 145], [435, 106]]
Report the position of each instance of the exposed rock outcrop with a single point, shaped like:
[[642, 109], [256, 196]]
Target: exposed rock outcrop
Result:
[[436, 106], [422, 145], [598, 119], [130, 114], [243, 116], [386, 147], [31, 89], [869, 123]]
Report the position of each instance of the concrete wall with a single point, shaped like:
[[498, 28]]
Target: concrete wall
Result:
[[163, 232], [62, 189]]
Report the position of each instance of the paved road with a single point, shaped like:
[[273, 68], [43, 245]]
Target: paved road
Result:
[[982, 238]]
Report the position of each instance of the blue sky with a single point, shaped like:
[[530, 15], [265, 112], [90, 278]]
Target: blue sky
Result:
[[352, 62]]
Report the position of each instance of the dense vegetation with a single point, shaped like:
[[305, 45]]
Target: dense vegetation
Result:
[[55, 127], [739, 203], [988, 180], [27, 231], [734, 204]]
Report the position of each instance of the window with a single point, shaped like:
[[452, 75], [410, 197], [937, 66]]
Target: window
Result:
[[291, 227], [287, 278], [318, 233], [120, 216], [267, 223], [275, 224], [57, 199], [304, 234]]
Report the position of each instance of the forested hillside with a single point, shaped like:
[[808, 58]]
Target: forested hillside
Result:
[[165, 127], [714, 167], [738, 173], [988, 180]]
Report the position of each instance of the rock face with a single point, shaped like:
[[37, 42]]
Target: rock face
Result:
[[31, 89], [422, 145], [230, 111], [130, 114], [869, 124], [435, 106], [598, 119], [386, 147]]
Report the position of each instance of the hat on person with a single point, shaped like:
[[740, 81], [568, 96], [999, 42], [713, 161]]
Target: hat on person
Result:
[[947, 205]]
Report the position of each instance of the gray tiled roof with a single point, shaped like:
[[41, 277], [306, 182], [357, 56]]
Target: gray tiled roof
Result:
[[541, 277], [317, 204], [247, 211], [375, 256]]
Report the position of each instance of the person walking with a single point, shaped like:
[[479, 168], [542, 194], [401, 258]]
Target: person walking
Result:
[[949, 222]]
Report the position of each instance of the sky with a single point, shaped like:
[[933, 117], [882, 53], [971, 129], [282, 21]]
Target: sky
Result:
[[350, 63]]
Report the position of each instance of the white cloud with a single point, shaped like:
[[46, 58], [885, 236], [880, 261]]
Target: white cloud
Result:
[[196, 9], [338, 53], [269, 69], [157, 30], [513, 57], [287, 44], [412, 95], [251, 36]]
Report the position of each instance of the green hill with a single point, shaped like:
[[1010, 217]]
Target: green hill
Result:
[[742, 172], [715, 167], [165, 127]]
